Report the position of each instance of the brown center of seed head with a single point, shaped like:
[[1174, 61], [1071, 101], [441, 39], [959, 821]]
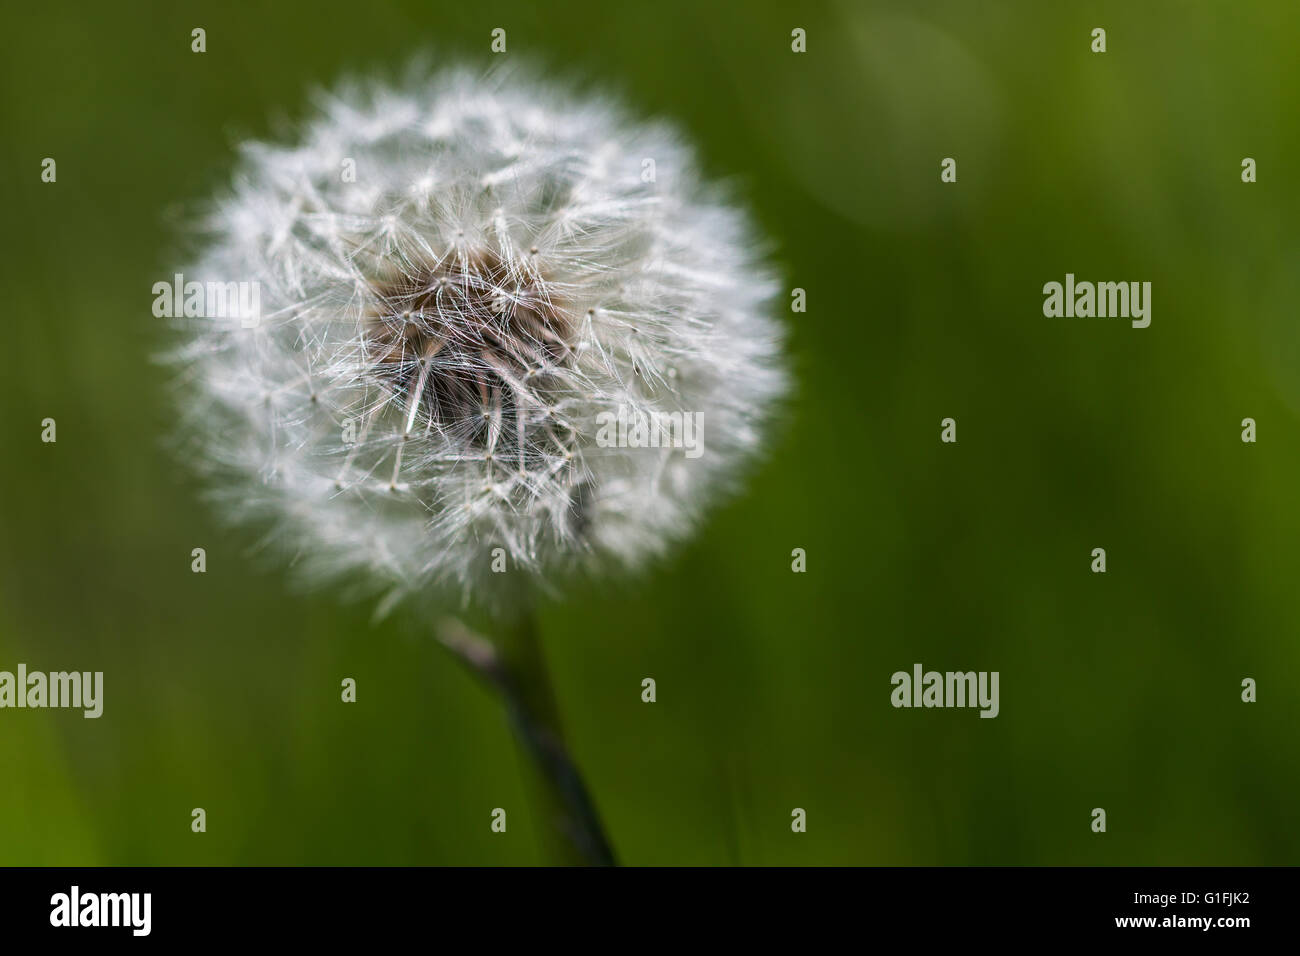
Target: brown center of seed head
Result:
[[468, 346]]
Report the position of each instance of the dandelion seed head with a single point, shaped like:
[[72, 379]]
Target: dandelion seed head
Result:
[[441, 331]]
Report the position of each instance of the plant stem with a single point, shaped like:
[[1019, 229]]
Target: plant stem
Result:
[[515, 667]]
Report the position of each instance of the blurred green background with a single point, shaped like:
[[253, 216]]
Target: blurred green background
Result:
[[1119, 690]]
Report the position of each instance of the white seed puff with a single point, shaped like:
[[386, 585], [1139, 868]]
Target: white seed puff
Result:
[[457, 276]]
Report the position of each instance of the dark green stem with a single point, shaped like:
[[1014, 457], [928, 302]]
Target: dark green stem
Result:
[[516, 669]]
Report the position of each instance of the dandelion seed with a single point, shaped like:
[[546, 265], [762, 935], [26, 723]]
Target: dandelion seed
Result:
[[497, 277]]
